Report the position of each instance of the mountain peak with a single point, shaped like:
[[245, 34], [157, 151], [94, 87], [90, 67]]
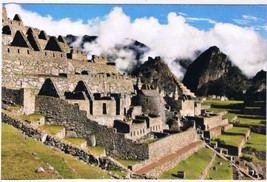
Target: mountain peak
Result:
[[212, 72]]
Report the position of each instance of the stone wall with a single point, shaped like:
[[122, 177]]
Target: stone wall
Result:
[[60, 112], [12, 96], [29, 100], [20, 60], [94, 68], [172, 143], [98, 83], [102, 162], [214, 132], [187, 107], [155, 172], [236, 150]]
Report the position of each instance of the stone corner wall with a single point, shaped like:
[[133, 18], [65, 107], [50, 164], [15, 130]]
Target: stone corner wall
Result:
[[60, 112], [13, 96], [172, 143]]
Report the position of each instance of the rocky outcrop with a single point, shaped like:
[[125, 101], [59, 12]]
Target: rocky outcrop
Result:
[[257, 91], [213, 73], [156, 73]]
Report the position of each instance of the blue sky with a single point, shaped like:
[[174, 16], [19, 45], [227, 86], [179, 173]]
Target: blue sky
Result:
[[175, 31], [200, 16]]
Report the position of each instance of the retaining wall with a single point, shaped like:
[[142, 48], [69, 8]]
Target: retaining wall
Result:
[[60, 112], [102, 162]]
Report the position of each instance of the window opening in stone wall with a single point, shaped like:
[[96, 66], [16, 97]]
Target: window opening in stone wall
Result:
[[18, 50], [104, 108], [91, 107], [28, 52], [61, 55], [53, 54], [124, 111], [118, 108], [45, 53], [8, 50]]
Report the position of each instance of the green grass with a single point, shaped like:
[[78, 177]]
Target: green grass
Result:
[[237, 130], [32, 117], [127, 163], [243, 120], [223, 172], [75, 141], [215, 110], [19, 163], [119, 173], [96, 150], [13, 107], [234, 109], [193, 166], [233, 140], [229, 116], [257, 141], [151, 140], [233, 136], [222, 103], [51, 129]]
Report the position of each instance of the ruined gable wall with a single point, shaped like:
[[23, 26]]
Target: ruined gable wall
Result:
[[83, 104], [187, 108], [214, 121], [93, 68], [95, 84], [59, 112], [20, 60], [172, 143]]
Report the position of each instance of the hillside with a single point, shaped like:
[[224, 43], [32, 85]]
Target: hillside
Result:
[[213, 73], [156, 73]]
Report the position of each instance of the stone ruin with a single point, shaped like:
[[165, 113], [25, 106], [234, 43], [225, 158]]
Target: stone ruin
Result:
[[38, 65]]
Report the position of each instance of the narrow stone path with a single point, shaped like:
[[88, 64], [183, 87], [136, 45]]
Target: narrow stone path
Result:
[[233, 164], [167, 158], [207, 169]]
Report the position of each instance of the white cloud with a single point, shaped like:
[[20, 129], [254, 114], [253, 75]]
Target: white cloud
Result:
[[175, 39], [248, 17], [241, 21], [52, 27], [211, 21]]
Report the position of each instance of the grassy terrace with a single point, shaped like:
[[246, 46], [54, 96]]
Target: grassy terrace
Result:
[[193, 166], [222, 103], [127, 163], [151, 140], [223, 172], [257, 141], [32, 117], [96, 150], [233, 136], [51, 129], [237, 130], [75, 141], [235, 111], [18, 162]]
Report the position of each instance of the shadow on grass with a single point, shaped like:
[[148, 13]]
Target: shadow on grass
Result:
[[233, 134], [229, 106], [252, 116]]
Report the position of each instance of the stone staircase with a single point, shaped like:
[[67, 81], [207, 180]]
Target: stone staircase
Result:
[[221, 155], [184, 89]]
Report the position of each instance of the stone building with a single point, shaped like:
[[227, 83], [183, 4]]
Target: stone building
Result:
[[40, 72]]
